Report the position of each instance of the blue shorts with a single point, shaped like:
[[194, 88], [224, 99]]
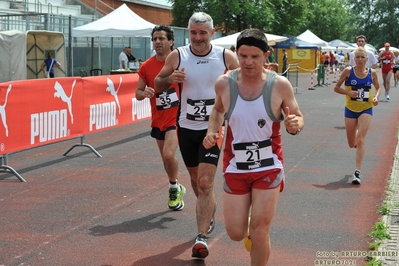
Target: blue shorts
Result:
[[356, 115]]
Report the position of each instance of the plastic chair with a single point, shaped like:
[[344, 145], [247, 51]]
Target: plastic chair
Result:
[[96, 72], [83, 73]]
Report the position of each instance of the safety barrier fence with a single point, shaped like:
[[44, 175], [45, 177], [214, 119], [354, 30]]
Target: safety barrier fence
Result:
[[292, 76], [44, 111], [322, 75]]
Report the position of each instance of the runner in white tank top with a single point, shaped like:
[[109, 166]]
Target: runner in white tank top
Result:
[[253, 102], [198, 93], [196, 68]]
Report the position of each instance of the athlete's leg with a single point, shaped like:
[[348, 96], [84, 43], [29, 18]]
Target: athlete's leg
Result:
[[206, 195], [351, 128], [384, 76], [364, 121], [167, 148], [387, 82], [236, 213], [193, 172], [189, 150], [264, 204]]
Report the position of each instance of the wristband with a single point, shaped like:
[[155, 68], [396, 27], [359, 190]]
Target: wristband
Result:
[[296, 133]]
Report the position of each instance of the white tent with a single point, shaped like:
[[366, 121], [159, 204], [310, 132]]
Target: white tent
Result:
[[230, 40], [119, 23], [368, 47], [310, 37], [391, 48], [23, 52]]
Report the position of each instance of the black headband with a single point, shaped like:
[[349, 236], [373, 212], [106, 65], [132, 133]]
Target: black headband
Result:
[[251, 41]]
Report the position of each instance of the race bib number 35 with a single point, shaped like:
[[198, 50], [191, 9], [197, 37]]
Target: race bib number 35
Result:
[[167, 99]]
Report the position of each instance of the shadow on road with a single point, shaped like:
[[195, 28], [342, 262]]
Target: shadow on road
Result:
[[343, 183], [134, 226]]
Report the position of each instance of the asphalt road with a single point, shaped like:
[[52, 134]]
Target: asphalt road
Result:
[[84, 210]]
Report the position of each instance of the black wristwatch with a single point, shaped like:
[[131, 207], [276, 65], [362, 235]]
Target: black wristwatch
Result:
[[296, 133]]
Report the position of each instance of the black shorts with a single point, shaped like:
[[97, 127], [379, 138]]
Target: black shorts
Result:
[[192, 150], [156, 133], [395, 69]]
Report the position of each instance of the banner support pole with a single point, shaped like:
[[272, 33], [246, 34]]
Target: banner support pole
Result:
[[4, 168], [82, 144]]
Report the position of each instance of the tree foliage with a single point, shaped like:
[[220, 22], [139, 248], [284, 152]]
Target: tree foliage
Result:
[[378, 20], [328, 19]]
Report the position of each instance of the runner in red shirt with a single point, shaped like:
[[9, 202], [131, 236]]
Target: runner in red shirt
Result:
[[164, 107], [386, 59]]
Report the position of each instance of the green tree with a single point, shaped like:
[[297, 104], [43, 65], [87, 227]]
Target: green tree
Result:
[[183, 9], [228, 15], [376, 19], [288, 16], [328, 19]]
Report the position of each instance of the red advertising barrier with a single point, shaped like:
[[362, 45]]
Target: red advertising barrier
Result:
[[109, 101], [43, 111]]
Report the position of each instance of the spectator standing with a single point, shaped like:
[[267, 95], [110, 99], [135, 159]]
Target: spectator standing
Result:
[[129, 55], [332, 61], [48, 65], [123, 60], [285, 63], [270, 62], [131, 59]]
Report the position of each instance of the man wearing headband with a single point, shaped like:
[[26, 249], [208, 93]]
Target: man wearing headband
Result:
[[195, 67], [252, 100]]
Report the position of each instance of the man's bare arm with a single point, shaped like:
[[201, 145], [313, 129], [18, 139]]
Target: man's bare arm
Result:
[[169, 74], [231, 60], [219, 109], [293, 120], [143, 91]]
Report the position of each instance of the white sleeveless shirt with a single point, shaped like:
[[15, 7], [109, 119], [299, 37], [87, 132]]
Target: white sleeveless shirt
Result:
[[253, 136], [198, 93]]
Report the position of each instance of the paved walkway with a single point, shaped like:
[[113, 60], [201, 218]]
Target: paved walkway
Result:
[[83, 210], [392, 220]]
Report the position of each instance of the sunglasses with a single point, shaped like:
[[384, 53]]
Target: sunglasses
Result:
[[360, 57]]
